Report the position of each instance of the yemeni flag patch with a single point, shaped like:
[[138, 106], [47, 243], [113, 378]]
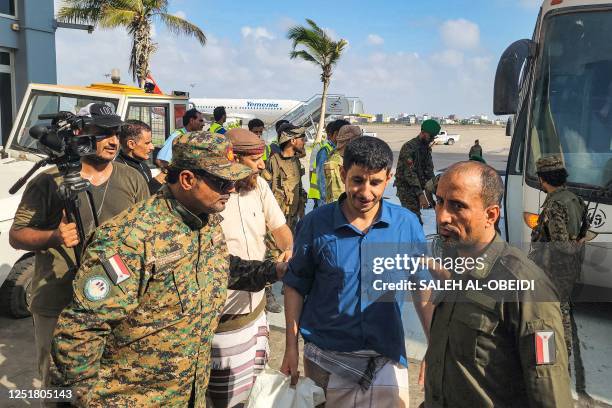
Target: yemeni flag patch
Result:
[[116, 269], [546, 351]]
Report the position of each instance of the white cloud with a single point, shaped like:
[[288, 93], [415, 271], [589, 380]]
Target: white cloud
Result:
[[448, 81], [331, 33], [181, 14], [460, 34], [452, 58], [256, 33], [375, 39]]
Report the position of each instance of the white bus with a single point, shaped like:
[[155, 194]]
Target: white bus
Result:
[[558, 87]]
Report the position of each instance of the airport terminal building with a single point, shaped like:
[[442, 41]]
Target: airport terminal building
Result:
[[27, 53]]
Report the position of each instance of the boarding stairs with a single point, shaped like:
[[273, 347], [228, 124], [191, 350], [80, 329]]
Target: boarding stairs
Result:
[[307, 114]]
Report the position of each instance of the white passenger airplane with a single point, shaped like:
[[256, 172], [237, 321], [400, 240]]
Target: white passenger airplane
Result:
[[268, 110]]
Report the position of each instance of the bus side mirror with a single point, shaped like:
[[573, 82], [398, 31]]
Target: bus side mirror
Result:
[[511, 68], [510, 126]]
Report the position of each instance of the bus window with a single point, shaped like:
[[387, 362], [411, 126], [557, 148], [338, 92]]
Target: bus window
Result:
[[572, 97]]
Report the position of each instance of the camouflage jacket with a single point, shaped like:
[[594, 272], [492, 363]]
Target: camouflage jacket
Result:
[[561, 221], [286, 183], [334, 186], [414, 165], [146, 304]]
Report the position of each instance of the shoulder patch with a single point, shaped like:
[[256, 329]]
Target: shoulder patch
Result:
[[116, 269], [96, 288], [545, 347]]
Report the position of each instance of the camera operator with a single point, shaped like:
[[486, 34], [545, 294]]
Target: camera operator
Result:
[[136, 146], [41, 224]]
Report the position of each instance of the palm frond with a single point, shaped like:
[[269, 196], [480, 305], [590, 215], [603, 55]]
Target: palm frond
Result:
[[81, 11], [113, 17], [178, 25], [303, 55]]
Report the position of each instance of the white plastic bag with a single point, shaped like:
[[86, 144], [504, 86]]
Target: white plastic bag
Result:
[[273, 389]]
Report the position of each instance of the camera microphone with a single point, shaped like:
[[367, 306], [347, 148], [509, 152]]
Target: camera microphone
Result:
[[38, 132], [49, 139]]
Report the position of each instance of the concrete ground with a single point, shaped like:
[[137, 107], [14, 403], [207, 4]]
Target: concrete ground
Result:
[[17, 360]]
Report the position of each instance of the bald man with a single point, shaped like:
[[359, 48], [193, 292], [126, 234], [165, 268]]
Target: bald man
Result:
[[489, 348]]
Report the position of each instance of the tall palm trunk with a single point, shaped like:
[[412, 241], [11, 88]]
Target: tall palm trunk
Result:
[[142, 48], [323, 109]]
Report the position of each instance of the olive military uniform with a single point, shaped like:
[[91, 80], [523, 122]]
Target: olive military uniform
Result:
[[489, 350], [285, 177], [562, 222], [148, 295], [414, 169], [334, 186], [475, 150]]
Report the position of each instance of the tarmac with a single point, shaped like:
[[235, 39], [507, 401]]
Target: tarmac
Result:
[[17, 356]]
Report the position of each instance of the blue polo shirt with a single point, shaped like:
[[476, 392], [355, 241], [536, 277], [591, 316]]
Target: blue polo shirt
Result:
[[165, 152], [332, 267]]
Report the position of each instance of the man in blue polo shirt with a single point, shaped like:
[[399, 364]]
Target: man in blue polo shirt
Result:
[[354, 342], [193, 121]]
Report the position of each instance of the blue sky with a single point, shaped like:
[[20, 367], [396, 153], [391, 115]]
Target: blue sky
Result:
[[434, 57]]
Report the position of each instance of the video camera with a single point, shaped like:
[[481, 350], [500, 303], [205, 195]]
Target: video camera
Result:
[[65, 144], [60, 139]]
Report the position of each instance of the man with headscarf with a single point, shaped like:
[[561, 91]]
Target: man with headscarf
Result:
[[415, 168], [240, 345], [334, 186]]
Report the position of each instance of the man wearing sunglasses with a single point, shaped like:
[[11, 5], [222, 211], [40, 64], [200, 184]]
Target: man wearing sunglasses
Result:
[[153, 282], [40, 225]]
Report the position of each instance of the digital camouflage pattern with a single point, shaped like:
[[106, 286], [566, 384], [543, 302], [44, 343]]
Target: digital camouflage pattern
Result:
[[482, 348], [561, 224], [146, 341], [211, 152], [286, 184], [549, 163], [414, 169]]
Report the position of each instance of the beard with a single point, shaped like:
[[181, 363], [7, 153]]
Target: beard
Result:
[[95, 159], [247, 184]]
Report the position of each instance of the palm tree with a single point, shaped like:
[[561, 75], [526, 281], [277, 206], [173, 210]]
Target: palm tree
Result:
[[321, 50], [137, 16]]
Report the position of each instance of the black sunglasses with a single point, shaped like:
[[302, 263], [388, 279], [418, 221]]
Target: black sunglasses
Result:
[[216, 183], [103, 133]]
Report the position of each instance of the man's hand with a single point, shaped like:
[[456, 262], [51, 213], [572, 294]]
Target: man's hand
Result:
[[67, 233], [422, 369], [281, 268], [161, 177], [424, 204], [290, 363], [285, 256]]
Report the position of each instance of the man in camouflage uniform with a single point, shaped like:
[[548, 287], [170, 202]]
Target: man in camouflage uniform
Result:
[[153, 281], [415, 168], [557, 247], [286, 171], [490, 348]]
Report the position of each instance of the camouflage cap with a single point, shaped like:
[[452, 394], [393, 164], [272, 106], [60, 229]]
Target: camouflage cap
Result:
[[288, 132], [211, 152], [549, 163]]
